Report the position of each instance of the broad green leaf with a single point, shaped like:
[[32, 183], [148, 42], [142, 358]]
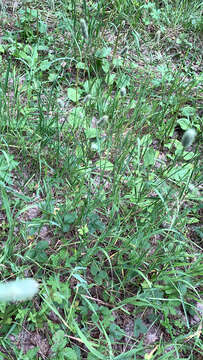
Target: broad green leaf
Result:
[[188, 110], [105, 66], [91, 133], [94, 268], [41, 257], [117, 62], [105, 165], [52, 77], [45, 65], [65, 227], [180, 173], [81, 65], [116, 332], [139, 327], [74, 94], [7, 164], [103, 53], [149, 157], [92, 87], [42, 27], [42, 245], [69, 354], [110, 78], [69, 218], [184, 123], [59, 341], [1, 49], [24, 56], [77, 117]]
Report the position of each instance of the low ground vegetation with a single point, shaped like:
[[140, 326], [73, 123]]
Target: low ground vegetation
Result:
[[100, 202]]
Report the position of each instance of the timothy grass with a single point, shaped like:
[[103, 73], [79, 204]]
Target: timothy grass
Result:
[[100, 201]]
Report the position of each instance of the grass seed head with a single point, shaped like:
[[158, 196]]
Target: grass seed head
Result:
[[123, 91], [188, 137], [18, 290], [87, 98], [84, 28], [103, 119]]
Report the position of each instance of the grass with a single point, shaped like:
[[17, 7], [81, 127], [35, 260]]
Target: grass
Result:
[[100, 202]]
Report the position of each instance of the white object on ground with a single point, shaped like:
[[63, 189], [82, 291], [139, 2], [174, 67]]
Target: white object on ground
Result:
[[188, 137], [18, 290]]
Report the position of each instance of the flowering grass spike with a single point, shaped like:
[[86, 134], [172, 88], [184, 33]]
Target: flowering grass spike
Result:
[[18, 290], [188, 137], [84, 28], [123, 91]]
